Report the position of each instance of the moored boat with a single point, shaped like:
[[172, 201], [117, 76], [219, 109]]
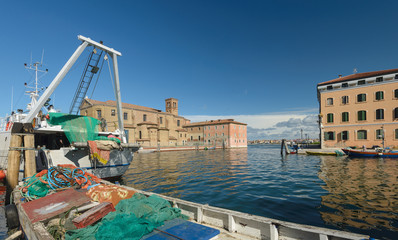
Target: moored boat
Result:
[[57, 138], [38, 217], [382, 153]]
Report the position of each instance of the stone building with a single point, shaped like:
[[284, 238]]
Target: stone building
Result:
[[359, 110], [153, 128], [146, 126]]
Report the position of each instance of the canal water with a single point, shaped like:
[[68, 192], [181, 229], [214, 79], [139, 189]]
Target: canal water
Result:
[[357, 195]]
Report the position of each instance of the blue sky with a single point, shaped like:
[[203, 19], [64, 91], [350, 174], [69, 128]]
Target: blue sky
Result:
[[256, 61]]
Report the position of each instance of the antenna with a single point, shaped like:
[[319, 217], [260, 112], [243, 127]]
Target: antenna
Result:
[[42, 56]]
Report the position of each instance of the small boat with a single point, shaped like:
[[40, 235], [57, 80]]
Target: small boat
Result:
[[321, 153], [378, 153], [91, 213], [51, 142]]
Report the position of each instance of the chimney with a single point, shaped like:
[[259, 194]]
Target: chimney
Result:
[[340, 75]]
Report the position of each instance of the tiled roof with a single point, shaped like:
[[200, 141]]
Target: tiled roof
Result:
[[213, 122], [124, 105], [359, 76]]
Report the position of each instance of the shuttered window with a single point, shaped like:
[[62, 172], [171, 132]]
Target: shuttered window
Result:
[[361, 97], [329, 136], [344, 135], [344, 117], [362, 134], [379, 95], [380, 114], [330, 117], [361, 115]]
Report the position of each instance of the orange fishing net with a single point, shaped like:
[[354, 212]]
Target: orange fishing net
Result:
[[109, 193]]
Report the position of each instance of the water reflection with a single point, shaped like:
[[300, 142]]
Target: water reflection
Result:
[[362, 193]]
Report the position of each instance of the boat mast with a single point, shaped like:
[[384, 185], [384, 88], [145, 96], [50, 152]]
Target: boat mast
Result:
[[57, 80]]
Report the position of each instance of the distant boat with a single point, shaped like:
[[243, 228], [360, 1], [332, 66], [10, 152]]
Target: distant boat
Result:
[[322, 153], [371, 153]]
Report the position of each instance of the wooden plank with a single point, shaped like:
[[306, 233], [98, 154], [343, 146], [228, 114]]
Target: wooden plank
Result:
[[30, 156], [13, 162]]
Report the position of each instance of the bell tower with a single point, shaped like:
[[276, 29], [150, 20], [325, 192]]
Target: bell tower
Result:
[[172, 106]]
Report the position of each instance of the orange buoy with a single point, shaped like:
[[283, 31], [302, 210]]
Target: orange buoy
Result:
[[2, 174]]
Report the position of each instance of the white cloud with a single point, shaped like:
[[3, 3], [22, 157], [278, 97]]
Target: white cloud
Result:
[[273, 126]]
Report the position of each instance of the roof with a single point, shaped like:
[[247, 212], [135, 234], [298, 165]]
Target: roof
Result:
[[359, 76], [124, 105], [213, 122]]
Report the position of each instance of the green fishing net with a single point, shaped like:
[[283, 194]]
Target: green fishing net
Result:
[[77, 128], [133, 218]]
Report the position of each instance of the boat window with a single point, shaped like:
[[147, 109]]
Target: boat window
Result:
[[380, 114], [362, 134]]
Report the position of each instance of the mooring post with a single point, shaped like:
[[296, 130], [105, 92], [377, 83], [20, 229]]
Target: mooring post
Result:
[[30, 163], [14, 157]]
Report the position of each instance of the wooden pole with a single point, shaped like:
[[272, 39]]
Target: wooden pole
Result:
[[14, 158], [30, 156]]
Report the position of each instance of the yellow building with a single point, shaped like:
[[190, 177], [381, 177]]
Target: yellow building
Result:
[[146, 126], [359, 110]]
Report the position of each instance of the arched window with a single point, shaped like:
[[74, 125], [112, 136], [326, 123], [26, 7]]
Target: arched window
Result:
[[361, 115], [380, 114], [361, 97]]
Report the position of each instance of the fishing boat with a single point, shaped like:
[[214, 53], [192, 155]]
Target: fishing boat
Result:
[[377, 153], [49, 132], [82, 213]]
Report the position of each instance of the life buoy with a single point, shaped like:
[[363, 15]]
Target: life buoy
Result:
[[9, 125]]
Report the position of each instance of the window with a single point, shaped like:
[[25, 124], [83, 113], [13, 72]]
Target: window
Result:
[[222, 126], [174, 105], [330, 87], [223, 134], [379, 114], [99, 114], [361, 82], [199, 138], [113, 112], [379, 134], [396, 93], [199, 129], [361, 97], [330, 117], [395, 113], [362, 134], [329, 101], [379, 95], [329, 136], [396, 76], [379, 79], [396, 134], [144, 118], [361, 115], [344, 99], [178, 123], [344, 135], [345, 117], [125, 116], [215, 127], [344, 85], [140, 135], [191, 138]]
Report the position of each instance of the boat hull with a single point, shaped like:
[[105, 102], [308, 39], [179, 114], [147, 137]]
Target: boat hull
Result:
[[369, 154]]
